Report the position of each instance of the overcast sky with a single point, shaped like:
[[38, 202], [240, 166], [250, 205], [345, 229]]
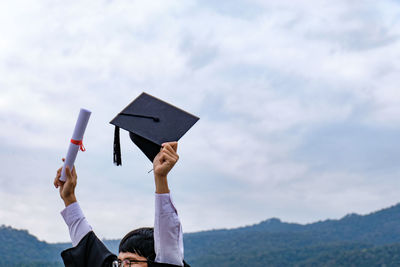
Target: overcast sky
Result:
[[299, 108]]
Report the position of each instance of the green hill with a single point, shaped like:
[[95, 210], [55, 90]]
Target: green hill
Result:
[[326, 243], [19, 248]]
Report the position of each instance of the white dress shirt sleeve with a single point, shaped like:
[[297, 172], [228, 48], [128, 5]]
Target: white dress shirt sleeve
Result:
[[77, 224], [168, 238]]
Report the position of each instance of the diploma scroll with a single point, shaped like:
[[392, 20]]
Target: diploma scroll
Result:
[[76, 141]]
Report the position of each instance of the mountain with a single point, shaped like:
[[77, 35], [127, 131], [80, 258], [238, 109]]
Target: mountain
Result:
[[354, 240], [19, 248], [286, 244]]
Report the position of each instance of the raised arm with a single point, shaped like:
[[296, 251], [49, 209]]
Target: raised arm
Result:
[[73, 216], [168, 238]]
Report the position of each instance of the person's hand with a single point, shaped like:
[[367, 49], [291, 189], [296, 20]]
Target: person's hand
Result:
[[67, 188], [163, 163]]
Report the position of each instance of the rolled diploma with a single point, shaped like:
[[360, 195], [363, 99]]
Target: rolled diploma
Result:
[[73, 149]]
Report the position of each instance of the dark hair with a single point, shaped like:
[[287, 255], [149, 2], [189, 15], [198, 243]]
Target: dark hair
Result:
[[139, 241]]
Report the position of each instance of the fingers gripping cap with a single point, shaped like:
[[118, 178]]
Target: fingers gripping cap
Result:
[[150, 123]]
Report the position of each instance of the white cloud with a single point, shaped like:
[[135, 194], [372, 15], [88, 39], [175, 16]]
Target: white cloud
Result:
[[264, 76]]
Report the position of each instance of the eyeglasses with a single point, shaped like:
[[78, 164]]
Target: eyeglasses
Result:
[[126, 263]]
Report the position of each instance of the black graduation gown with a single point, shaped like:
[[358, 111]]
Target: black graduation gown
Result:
[[91, 252]]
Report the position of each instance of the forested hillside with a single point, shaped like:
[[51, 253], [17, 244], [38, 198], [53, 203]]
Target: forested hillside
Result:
[[19, 248], [352, 239]]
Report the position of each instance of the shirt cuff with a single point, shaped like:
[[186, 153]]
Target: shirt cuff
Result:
[[164, 204], [77, 224], [72, 213]]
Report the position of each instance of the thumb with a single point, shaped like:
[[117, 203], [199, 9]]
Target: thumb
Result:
[[68, 172]]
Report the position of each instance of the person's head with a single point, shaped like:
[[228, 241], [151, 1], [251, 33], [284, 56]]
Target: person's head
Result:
[[138, 245]]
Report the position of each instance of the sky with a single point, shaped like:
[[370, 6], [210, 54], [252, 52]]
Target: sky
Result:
[[299, 108]]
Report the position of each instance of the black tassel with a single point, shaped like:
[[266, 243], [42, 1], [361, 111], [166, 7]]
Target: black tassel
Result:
[[117, 148]]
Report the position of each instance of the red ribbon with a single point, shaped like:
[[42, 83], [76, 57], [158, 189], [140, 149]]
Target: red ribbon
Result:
[[79, 143]]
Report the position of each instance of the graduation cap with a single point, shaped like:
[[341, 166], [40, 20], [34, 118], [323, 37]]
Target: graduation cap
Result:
[[150, 123]]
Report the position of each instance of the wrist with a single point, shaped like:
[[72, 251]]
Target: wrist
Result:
[[69, 200], [160, 177], [161, 184]]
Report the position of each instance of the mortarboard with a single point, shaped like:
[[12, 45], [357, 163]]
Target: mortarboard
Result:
[[150, 123]]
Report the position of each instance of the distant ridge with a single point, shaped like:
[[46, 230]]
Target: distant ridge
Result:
[[19, 248], [275, 225], [289, 244], [354, 240]]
